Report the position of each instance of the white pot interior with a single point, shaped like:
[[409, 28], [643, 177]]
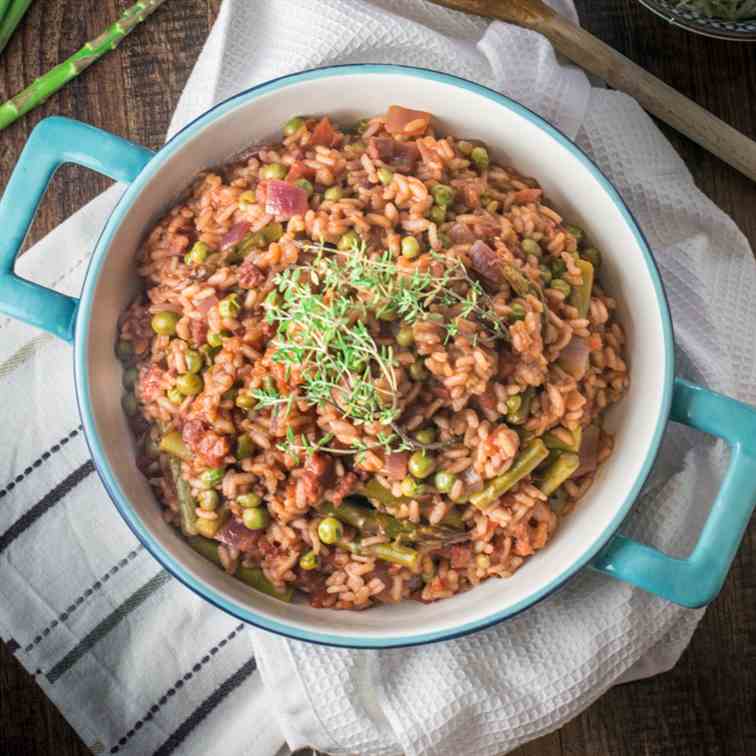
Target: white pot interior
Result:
[[577, 194]]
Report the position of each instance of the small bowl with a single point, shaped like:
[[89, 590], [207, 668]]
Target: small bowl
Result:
[[577, 188], [692, 20]]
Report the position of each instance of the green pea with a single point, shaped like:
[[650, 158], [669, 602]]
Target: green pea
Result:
[[212, 476], [293, 125], [129, 404], [418, 371], [197, 254], [593, 256], [442, 194], [576, 231], [214, 339], [193, 361], [405, 336], [130, 376], [385, 176], [514, 403], [361, 125], [309, 561], [209, 500], [531, 247], [174, 396], [348, 240], [164, 323], [518, 312], [545, 275], [409, 487], [558, 267], [189, 384], [273, 171], [256, 518], [273, 232], [249, 500], [330, 530], [425, 436], [303, 183], [444, 481], [245, 401], [483, 561], [421, 465], [479, 156], [438, 214], [229, 306], [562, 286], [244, 446], [410, 247], [124, 350], [333, 193]]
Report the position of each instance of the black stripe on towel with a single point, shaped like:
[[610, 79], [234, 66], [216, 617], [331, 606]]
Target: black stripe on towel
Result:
[[46, 502], [54, 449], [183, 731], [178, 685], [132, 602]]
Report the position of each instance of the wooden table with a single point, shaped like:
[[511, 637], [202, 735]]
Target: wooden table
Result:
[[707, 704]]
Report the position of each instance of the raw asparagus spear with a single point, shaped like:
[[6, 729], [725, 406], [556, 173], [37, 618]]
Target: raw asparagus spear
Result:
[[387, 552], [10, 18]]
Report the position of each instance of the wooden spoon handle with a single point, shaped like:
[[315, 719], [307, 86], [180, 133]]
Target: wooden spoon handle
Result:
[[619, 72]]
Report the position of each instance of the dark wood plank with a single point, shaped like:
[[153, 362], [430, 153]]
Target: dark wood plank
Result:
[[706, 705]]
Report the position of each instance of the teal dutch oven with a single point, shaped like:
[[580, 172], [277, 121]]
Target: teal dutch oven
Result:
[[588, 538]]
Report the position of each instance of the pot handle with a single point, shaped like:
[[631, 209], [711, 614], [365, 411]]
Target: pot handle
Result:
[[53, 142], [696, 581]]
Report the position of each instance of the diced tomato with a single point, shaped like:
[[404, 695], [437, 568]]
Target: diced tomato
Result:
[[323, 133], [299, 170], [407, 122]]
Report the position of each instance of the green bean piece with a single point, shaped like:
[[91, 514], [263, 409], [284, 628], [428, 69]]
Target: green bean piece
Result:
[[560, 284], [206, 548], [386, 552], [273, 232], [333, 193], [330, 530], [309, 561], [528, 459], [443, 195], [255, 518], [164, 323], [305, 185], [531, 247], [438, 214], [187, 505], [444, 481], [229, 306], [293, 125], [124, 350], [210, 528], [385, 176], [421, 465], [479, 156], [244, 446], [580, 298], [129, 378], [129, 404], [559, 471], [593, 256], [273, 171], [410, 247], [348, 240], [522, 413], [172, 443], [552, 441], [425, 436], [249, 500], [212, 476]]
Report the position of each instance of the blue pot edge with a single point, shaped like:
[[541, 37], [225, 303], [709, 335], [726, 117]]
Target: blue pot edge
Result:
[[120, 500]]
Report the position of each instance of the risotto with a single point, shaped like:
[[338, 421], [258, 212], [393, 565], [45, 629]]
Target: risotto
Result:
[[369, 363]]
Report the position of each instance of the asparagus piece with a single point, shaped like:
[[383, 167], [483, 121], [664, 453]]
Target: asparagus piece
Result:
[[37, 92], [372, 522], [252, 576], [554, 442], [10, 18], [374, 490], [530, 457], [580, 296], [559, 471], [172, 443], [187, 506], [387, 552]]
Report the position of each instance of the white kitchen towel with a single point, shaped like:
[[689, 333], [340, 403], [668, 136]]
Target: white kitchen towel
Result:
[[139, 665]]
